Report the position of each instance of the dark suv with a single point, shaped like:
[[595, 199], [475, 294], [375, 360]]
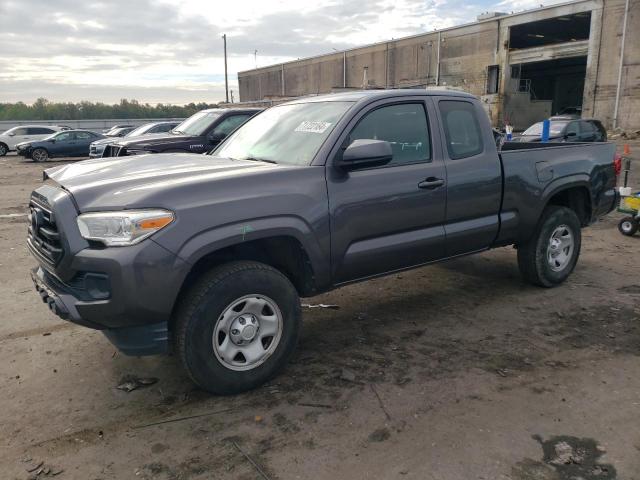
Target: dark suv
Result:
[[567, 130], [199, 133]]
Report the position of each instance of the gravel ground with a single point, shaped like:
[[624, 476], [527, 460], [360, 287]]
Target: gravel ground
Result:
[[454, 371]]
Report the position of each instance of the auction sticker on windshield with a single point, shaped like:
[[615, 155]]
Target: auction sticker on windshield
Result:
[[313, 127]]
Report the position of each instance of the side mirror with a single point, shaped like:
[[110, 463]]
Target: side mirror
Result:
[[365, 153], [52, 140], [217, 137], [570, 134], [11, 134]]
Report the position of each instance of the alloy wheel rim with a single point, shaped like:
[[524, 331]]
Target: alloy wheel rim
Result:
[[247, 332], [560, 248], [39, 156]]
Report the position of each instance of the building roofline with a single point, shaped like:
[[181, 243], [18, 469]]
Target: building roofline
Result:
[[464, 25]]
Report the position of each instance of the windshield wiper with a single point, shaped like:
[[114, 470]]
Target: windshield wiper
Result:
[[254, 159]]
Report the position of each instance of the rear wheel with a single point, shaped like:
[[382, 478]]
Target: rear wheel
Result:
[[551, 254], [237, 326], [628, 226], [40, 155], [3, 149]]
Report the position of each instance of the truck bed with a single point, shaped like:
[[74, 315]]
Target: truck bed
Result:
[[532, 171]]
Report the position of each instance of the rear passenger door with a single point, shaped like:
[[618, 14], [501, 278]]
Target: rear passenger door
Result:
[[474, 176], [390, 217], [83, 140]]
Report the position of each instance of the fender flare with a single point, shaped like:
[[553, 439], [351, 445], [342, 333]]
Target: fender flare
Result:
[[223, 236]]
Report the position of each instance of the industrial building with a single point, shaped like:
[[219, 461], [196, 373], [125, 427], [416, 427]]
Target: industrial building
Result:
[[524, 66]]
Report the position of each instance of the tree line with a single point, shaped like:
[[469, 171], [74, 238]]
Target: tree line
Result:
[[43, 109]]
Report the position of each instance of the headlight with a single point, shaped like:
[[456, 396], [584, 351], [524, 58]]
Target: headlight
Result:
[[119, 229]]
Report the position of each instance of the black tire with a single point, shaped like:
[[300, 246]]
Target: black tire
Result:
[[39, 155], [200, 309], [628, 226], [533, 261], [3, 149]]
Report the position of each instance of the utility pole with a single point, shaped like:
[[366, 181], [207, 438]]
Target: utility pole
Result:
[[255, 57], [226, 78], [620, 67]]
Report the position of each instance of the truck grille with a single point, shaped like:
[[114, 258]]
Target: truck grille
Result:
[[114, 151], [44, 237]]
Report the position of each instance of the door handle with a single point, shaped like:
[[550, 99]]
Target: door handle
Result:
[[430, 183]]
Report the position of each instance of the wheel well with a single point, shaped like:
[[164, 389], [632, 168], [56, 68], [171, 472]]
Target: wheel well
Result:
[[283, 253], [575, 198]]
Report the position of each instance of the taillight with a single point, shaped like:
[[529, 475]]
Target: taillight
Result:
[[617, 163]]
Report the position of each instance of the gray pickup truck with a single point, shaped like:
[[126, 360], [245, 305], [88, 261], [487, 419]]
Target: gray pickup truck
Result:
[[210, 254]]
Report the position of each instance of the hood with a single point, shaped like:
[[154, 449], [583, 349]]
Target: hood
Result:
[[144, 180], [120, 140], [157, 139]]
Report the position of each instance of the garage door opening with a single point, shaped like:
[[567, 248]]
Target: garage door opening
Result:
[[568, 28], [561, 81]]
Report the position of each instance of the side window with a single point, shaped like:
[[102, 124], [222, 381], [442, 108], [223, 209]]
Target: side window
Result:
[[83, 135], [461, 128], [403, 126], [588, 128], [165, 127], [229, 124], [21, 131], [573, 127], [63, 137], [39, 131]]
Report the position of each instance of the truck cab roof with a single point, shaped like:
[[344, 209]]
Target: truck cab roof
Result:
[[371, 95]]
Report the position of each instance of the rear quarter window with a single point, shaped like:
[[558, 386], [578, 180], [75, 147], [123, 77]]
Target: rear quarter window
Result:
[[461, 128]]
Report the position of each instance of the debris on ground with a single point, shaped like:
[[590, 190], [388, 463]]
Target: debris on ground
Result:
[[129, 383], [38, 469], [321, 305], [348, 375]]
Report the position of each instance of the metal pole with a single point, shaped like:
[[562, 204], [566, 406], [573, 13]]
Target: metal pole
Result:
[[624, 33], [438, 61], [226, 78], [344, 69], [282, 79]]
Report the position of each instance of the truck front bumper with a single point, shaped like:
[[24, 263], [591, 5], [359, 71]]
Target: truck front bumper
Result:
[[63, 301]]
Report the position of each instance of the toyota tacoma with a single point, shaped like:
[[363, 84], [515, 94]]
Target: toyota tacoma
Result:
[[208, 255]]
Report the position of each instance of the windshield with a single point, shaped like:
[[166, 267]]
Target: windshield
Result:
[[554, 129], [197, 123], [290, 134], [140, 130]]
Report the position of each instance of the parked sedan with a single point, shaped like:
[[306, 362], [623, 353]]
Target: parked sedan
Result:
[[24, 133], [567, 130], [70, 143], [97, 148]]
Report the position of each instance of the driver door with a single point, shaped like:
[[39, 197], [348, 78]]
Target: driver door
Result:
[[391, 217]]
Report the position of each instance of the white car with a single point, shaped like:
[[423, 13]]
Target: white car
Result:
[[24, 133]]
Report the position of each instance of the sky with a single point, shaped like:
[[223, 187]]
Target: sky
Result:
[[161, 51]]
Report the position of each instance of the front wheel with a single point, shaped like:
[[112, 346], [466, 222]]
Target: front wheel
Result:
[[40, 155], [628, 226], [3, 149], [237, 326], [551, 254]]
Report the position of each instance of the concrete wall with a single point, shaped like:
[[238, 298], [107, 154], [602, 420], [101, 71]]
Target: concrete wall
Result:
[[599, 99], [465, 52]]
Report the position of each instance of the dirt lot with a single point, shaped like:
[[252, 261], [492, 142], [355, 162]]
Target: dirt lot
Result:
[[456, 371]]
